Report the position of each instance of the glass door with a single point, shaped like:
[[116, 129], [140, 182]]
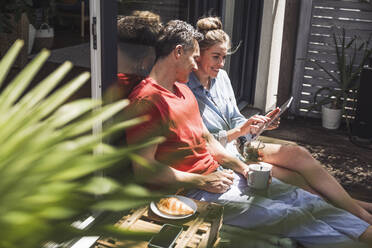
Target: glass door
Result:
[[104, 36]]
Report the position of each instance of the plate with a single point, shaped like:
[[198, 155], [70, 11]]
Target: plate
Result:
[[184, 199]]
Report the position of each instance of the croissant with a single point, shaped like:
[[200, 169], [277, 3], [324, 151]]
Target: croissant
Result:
[[173, 206]]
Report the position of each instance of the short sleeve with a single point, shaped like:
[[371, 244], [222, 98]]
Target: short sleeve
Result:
[[152, 127]]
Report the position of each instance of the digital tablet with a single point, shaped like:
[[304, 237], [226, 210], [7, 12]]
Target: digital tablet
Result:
[[282, 108]]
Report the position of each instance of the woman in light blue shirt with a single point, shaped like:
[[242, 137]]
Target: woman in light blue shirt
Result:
[[293, 164]]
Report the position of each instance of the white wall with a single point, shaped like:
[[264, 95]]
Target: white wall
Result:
[[269, 54]]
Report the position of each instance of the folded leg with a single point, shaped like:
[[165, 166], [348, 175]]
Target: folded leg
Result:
[[287, 211]]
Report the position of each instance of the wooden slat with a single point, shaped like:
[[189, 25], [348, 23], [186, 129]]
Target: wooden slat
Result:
[[343, 4], [132, 218], [330, 42], [328, 66], [145, 226], [311, 91], [333, 57], [310, 99], [319, 82], [316, 113], [321, 48], [314, 71], [337, 13], [348, 32], [343, 23], [316, 74], [322, 57]]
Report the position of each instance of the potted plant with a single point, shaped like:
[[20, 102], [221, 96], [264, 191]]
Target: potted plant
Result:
[[47, 177], [346, 77]]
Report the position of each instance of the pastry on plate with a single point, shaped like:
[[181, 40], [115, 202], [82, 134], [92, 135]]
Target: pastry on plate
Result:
[[174, 206]]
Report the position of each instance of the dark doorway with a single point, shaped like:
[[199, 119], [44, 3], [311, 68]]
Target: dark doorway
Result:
[[243, 65], [203, 8]]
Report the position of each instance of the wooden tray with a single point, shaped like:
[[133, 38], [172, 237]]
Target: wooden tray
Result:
[[199, 230]]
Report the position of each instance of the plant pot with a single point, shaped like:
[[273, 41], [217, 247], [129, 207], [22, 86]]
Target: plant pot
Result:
[[331, 118], [44, 37]]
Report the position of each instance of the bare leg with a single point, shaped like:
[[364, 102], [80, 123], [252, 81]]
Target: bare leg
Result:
[[298, 159], [292, 177], [366, 205], [366, 237]]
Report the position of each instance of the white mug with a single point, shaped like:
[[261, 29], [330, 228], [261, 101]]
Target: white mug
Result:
[[259, 175]]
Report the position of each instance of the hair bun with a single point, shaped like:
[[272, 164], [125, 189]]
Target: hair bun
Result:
[[208, 24]]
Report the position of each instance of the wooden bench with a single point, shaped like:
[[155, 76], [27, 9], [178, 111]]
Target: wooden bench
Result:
[[199, 231]]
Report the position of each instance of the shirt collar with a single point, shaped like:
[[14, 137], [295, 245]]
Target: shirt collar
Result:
[[194, 82]]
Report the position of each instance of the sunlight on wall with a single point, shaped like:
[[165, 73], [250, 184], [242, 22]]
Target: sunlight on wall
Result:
[[269, 55]]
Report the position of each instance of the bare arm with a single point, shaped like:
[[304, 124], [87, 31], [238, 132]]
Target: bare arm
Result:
[[251, 126], [222, 156], [164, 174], [217, 182]]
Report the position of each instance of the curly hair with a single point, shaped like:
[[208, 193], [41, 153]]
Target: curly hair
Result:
[[176, 32], [142, 27]]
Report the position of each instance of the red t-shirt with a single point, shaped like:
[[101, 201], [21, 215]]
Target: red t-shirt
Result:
[[126, 83], [176, 117]]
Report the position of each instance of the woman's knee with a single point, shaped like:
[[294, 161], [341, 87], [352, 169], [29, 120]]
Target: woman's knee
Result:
[[300, 152], [299, 159], [293, 157]]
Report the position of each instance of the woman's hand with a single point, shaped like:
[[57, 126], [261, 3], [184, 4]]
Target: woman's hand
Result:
[[217, 182], [253, 124], [272, 114]]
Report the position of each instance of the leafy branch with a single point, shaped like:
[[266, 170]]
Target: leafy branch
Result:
[[47, 165]]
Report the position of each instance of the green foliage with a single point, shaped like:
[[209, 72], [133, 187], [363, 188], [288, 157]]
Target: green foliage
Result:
[[348, 71], [47, 166]]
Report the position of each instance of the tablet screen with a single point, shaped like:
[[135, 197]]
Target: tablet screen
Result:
[[283, 108]]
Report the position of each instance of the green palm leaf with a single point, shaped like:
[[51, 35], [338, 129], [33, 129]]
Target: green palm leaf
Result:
[[47, 163], [9, 58]]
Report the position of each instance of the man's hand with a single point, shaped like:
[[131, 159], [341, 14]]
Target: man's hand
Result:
[[245, 171], [218, 182]]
